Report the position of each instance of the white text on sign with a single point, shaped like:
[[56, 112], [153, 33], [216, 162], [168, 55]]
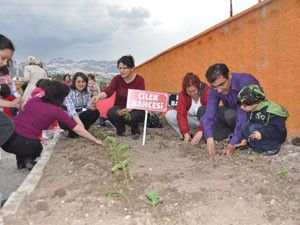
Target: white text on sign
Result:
[[146, 100]]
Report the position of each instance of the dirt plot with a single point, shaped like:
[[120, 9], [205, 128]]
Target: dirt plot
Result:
[[197, 188]]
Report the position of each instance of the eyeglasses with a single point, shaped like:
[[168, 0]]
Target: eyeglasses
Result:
[[219, 86], [122, 68]]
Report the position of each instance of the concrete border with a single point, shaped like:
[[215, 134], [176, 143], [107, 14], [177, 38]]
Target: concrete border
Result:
[[30, 183]]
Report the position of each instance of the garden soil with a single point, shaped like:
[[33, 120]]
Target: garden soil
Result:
[[197, 188]]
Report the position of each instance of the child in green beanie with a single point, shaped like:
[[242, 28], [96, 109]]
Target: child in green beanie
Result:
[[266, 130]]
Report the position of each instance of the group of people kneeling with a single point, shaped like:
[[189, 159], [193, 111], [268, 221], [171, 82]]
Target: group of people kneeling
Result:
[[244, 115]]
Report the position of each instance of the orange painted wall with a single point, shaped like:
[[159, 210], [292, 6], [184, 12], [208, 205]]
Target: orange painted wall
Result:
[[263, 40]]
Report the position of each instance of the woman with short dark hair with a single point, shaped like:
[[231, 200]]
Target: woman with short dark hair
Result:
[[78, 104], [38, 115], [127, 79]]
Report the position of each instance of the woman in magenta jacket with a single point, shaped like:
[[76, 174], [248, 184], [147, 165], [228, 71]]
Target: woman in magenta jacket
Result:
[[193, 95]]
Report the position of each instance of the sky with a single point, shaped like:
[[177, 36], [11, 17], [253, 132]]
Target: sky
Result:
[[108, 29]]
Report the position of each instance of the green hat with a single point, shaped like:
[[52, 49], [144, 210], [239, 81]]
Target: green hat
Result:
[[251, 94]]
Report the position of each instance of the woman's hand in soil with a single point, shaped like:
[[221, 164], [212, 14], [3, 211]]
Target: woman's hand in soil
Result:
[[187, 138], [211, 146], [197, 138], [99, 142], [228, 151]]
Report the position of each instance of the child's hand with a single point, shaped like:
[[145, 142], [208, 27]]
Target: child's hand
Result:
[[255, 135], [228, 151]]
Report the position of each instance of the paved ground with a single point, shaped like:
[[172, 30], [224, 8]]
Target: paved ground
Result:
[[10, 177]]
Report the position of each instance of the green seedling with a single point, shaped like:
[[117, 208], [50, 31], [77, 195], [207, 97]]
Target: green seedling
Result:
[[119, 153], [111, 142], [111, 192], [254, 161], [127, 116], [155, 199], [97, 132], [122, 166], [236, 154], [283, 174]]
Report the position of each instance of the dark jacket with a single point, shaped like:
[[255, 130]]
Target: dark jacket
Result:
[[275, 128]]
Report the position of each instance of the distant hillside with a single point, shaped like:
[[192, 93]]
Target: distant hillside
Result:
[[106, 69]]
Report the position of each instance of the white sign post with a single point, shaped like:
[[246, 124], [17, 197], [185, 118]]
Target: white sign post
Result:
[[148, 101]]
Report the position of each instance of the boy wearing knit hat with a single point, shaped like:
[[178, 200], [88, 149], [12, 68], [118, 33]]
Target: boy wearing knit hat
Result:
[[266, 130]]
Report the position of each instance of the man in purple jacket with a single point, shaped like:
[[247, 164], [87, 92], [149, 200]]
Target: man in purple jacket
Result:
[[220, 121]]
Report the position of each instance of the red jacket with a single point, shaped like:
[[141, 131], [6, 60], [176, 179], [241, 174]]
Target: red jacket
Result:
[[183, 106], [7, 110]]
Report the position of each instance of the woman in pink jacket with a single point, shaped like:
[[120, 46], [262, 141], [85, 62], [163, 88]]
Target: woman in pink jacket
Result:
[[193, 95]]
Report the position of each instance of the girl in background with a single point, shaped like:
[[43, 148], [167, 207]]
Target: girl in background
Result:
[[5, 94]]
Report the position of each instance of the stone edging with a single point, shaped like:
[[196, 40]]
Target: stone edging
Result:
[[30, 183]]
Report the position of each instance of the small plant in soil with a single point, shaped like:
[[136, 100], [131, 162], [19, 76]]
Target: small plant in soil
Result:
[[111, 142], [122, 166], [283, 174], [155, 199], [111, 192], [254, 161], [97, 132], [119, 153]]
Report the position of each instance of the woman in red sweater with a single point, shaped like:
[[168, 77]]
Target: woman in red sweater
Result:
[[193, 95], [127, 79]]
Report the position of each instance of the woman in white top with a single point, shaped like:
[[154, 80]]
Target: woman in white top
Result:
[[193, 95], [33, 72]]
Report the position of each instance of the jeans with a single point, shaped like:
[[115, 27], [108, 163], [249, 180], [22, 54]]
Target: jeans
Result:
[[224, 124], [265, 146]]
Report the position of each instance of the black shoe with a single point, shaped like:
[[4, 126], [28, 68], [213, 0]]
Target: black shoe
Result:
[[29, 163], [20, 163], [2, 202], [136, 136], [121, 132], [135, 131]]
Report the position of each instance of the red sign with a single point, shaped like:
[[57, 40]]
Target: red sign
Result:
[[147, 100]]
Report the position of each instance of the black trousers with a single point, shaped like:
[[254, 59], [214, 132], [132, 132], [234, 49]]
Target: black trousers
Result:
[[225, 122], [23, 147], [6, 128], [87, 117], [137, 116]]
